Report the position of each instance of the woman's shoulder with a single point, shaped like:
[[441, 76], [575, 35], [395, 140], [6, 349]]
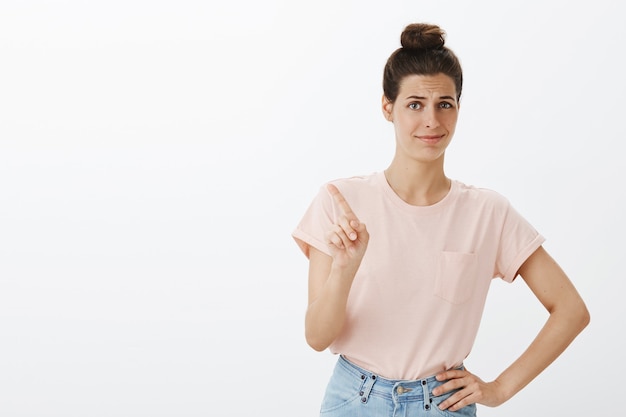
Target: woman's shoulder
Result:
[[355, 182], [355, 179], [483, 195], [356, 189]]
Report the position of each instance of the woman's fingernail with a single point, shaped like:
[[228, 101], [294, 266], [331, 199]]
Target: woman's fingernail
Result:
[[352, 236], [354, 223]]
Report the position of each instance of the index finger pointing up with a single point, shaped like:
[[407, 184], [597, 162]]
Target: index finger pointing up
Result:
[[342, 203]]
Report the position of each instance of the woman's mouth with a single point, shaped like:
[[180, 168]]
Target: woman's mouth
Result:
[[430, 139]]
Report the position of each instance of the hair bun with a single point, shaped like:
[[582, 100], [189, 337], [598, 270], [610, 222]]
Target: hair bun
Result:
[[422, 36]]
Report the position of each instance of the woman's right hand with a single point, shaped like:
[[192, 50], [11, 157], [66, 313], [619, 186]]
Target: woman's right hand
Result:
[[348, 238]]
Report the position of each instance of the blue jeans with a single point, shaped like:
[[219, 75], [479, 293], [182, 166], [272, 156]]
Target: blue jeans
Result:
[[356, 392]]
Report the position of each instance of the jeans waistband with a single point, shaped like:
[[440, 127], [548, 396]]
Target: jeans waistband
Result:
[[398, 390]]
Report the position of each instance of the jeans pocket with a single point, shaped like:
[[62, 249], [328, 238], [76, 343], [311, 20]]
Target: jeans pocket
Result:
[[456, 276], [467, 411], [342, 389]]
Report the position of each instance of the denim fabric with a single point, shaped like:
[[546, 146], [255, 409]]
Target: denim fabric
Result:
[[356, 392]]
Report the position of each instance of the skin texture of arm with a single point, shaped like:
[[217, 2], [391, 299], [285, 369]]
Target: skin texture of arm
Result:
[[328, 294], [568, 317]]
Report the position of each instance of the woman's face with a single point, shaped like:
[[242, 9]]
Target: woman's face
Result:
[[424, 116]]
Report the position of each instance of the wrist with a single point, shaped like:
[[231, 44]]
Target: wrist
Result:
[[345, 271], [503, 391]]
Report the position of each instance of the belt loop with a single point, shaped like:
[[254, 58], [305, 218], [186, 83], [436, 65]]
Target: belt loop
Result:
[[426, 395], [367, 388]]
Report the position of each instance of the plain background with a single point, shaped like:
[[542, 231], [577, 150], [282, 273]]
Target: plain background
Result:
[[156, 155]]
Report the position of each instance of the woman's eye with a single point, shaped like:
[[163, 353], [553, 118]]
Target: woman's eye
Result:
[[415, 106], [445, 105]]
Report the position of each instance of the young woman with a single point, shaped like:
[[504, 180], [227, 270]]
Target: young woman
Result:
[[400, 262]]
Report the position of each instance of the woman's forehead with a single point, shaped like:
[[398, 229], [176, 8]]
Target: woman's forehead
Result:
[[427, 85]]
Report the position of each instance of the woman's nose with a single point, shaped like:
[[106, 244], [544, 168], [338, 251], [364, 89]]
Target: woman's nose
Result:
[[430, 118]]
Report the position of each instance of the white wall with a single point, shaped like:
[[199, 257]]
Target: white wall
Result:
[[156, 155]]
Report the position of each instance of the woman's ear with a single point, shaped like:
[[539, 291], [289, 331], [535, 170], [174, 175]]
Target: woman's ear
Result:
[[387, 108]]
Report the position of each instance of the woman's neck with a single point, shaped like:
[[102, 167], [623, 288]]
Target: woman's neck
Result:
[[418, 184]]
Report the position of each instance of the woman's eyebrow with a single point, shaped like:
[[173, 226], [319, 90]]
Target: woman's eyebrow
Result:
[[424, 98]]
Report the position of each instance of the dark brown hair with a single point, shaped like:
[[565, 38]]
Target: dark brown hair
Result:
[[423, 52]]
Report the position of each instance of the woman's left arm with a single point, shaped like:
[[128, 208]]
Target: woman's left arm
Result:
[[568, 317]]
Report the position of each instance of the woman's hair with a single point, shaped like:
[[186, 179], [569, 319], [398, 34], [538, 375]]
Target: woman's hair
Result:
[[423, 52]]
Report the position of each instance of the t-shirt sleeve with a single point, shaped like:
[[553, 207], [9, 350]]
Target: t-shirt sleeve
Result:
[[317, 220], [518, 240]]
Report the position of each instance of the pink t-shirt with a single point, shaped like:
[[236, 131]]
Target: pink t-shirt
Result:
[[416, 301]]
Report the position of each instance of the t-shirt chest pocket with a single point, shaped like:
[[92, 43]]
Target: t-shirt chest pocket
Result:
[[455, 276]]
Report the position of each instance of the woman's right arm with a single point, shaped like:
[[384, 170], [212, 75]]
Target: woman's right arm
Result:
[[329, 287], [330, 277]]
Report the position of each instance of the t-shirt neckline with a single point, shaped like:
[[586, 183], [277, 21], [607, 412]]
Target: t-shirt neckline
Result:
[[396, 200]]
